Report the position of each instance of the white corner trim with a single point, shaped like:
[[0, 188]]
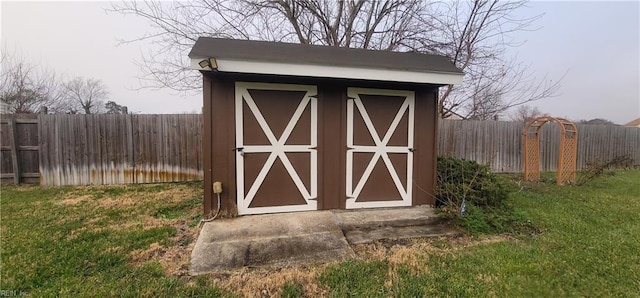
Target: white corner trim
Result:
[[325, 71]]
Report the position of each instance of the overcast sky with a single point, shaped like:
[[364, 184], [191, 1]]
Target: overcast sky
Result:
[[597, 45]]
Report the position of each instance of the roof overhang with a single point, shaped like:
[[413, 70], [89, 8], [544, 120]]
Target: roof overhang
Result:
[[325, 71]]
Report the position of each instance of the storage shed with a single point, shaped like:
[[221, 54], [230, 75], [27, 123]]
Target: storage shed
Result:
[[292, 127]]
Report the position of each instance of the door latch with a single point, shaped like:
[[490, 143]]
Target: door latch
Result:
[[239, 149]]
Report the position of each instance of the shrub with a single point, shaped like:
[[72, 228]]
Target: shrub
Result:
[[484, 195], [460, 179]]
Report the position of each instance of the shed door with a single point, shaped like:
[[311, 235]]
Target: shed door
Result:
[[379, 148], [276, 139]]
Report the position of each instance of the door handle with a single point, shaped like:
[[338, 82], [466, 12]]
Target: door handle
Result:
[[239, 149]]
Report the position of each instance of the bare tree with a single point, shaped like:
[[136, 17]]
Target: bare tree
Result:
[[27, 87], [474, 35], [525, 113], [85, 95], [177, 26]]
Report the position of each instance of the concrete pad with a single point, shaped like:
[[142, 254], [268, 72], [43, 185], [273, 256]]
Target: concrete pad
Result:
[[388, 217], [269, 240], [361, 236]]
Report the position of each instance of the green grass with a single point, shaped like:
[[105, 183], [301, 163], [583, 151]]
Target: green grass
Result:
[[53, 245], [106, 241], [292, 290], [589, 246], [356, 279]]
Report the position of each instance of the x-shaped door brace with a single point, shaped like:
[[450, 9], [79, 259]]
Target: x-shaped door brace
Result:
[[277, 147], [380, 149]]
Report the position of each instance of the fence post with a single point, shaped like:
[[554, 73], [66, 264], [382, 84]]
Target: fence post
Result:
[[14, 149]]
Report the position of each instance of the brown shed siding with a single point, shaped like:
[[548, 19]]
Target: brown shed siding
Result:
[[332, 138], [207, 142], [219, 134], [424, 163], [219, 150]]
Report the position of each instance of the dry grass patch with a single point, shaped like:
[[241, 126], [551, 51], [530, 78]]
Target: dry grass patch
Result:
[[72, 200], [414, 253], [173, 259], [467, 241], [21, 188], [108, 196], [137, 198], [264, 282], [121, 201]]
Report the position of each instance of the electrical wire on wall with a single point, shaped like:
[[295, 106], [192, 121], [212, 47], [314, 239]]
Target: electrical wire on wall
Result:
[[217, 189]]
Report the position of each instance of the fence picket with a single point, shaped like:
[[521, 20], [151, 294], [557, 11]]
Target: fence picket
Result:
[[114, 149], [501, 143]]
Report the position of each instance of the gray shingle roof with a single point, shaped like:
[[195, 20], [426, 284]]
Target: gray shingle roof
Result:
[[250, 50]]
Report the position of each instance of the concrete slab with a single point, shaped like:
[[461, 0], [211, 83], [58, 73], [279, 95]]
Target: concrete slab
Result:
[[362, 236], [284, 239], [388, 217], [269, 240]]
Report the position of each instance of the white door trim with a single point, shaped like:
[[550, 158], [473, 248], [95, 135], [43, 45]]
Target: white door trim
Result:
[[276, 149], [381, 150]]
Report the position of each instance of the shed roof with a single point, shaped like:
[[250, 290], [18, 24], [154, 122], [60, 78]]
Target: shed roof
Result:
[[248, 56]]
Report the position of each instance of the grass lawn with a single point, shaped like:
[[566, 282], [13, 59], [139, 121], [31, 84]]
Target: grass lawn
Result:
[[136, 240]]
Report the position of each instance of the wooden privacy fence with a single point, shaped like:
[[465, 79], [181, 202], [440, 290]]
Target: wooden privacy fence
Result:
[[19, 148], [499, 143], [114, 149]]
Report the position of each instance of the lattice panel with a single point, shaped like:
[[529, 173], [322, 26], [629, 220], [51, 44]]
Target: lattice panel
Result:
[[568, 150], [532, 160], [567, 174]]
